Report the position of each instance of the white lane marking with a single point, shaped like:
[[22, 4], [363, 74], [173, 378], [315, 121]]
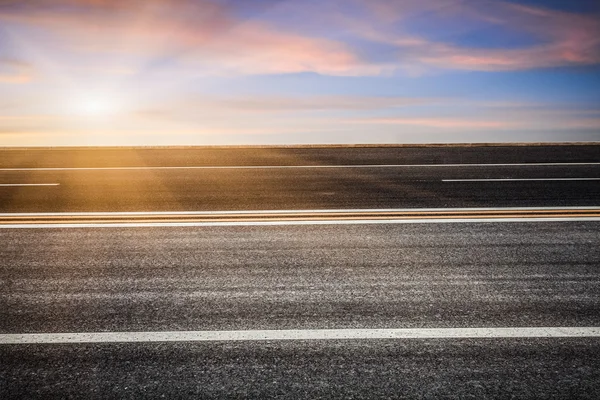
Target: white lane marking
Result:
[[294, 166], [309, 334], [275, 212], [520, 179], [28, 184], [293, 223]]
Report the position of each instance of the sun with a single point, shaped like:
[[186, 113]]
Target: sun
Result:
[[97, 106]]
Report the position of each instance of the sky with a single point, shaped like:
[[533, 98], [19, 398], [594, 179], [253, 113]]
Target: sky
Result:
[[231, 72]]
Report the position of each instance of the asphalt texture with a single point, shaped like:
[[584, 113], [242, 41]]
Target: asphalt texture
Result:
[[409, 185], [428, 369], [527, 274], [300, 277]]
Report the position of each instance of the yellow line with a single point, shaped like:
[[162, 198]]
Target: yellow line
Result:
[[303, 217], [418, 214]]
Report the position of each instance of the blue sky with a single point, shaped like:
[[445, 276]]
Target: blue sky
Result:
[[169, 72]]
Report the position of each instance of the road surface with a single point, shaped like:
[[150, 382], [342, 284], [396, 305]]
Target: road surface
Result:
[[481, 301], [293, 179]]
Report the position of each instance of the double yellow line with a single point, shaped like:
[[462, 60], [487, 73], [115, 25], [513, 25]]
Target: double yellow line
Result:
[[298, 216]]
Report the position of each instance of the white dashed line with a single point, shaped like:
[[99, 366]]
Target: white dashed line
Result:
[[520, 179]]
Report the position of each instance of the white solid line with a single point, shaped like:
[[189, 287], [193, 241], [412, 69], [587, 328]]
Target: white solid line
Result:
[[275, 212], [28, 184], [520, 179], [294, 223], [293, 166], [309, 334]]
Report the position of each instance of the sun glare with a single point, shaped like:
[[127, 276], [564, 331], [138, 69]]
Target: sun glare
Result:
[[96, 106]]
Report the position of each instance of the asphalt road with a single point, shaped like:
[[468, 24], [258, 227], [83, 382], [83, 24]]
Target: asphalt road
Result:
[[455, 369], [299, 277], [291, 179], [442, 276], [302, 277]]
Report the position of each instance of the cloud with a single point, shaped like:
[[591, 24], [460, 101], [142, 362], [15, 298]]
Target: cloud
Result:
[[211, 37], [257, 49], [444, 56], [308, 103], [562, 38], [265, 111], [492, 117], [204, 34], [15, 72], [443, 123]]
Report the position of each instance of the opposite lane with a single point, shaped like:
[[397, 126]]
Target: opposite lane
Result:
[[294, 188], [197, 179]]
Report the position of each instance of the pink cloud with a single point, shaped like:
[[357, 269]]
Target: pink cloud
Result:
[[566, 38], [210, 38], [257, 48], [15, 72], [548, 55], [306, 103], [202, 33], [443, 123]]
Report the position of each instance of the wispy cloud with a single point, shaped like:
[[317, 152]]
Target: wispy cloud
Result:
[[214, 38], [443, 123], [562, 38], [204, 33], [191, 66], [307, 103], [15, 72]]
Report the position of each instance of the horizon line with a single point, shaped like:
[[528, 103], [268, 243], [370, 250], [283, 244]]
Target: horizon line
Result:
[[308, 146]]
